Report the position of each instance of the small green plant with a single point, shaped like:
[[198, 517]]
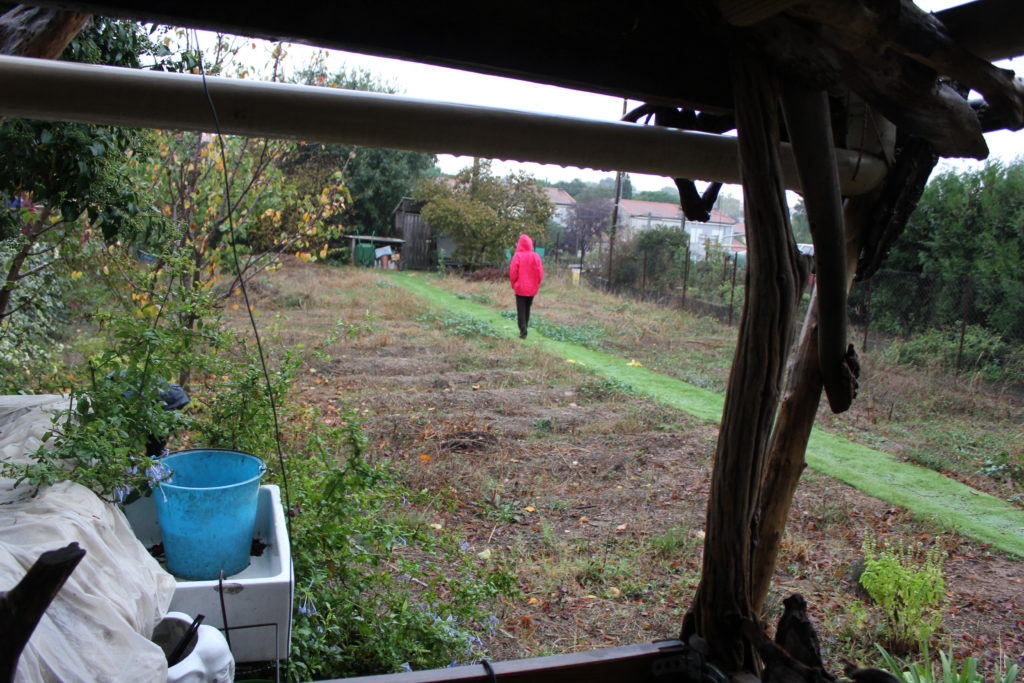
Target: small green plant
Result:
[[544, 425], [602, 389], [948, 672], [463, 325], [590, 336], [675, 541], [909, 587], [482, 299]]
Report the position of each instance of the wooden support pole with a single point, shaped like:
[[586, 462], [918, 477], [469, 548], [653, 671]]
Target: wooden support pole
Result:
[[724, 599], [786, 453], [23, 606], [810, 131]]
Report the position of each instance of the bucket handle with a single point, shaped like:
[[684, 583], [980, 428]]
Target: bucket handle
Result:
[[263, 468]]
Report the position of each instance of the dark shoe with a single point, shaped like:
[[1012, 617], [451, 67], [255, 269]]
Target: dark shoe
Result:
[[522, 335]]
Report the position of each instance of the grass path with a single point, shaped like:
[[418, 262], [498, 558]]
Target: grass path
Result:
[[924, 492]]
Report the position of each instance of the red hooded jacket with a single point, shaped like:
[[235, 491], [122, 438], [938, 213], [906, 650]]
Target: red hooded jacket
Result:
[[526, 271]]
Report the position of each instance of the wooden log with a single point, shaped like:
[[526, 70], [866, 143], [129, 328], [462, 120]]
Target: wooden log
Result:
[[903, 27], [723, 598], [38, 31], [810, 132], [23, 606], [896, 200], [903, 90], [786, 453]]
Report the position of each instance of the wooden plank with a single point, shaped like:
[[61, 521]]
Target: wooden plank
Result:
[[611, 665]]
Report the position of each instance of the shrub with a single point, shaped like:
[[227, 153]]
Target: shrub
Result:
[[378, 589], [487, 275], [30, 349], [984, 352]]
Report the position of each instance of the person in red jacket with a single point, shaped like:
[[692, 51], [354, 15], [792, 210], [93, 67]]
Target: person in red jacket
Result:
[[526, 272]]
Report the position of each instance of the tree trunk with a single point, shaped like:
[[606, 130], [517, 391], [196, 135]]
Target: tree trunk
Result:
[[724, 598], [786, 454]]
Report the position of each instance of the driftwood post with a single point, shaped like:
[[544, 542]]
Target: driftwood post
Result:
[[23, 606], [724, 599]]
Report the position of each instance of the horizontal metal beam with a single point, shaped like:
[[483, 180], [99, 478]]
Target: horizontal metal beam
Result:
[[63, 91]]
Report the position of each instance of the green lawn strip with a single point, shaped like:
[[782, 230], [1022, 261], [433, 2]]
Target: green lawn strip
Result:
[[924, 492]]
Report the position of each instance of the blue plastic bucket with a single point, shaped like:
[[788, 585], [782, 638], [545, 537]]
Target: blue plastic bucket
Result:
[[207, 511]]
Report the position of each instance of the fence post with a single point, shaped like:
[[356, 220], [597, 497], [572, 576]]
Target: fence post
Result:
[[965, 305], [732, 292], [643, 279], [867, 313], [686, 273]]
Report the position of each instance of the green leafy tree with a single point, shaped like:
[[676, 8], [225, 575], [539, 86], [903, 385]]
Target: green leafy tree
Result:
[[669, 195], [63, 187], [961, 257], [485, 214], [57, 178], [213, 199], [377, 179], [801, 226]]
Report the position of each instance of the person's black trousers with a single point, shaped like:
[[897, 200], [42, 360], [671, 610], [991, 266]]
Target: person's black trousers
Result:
[[523, 304]]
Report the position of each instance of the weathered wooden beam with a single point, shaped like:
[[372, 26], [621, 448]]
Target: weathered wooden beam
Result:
[[896, 200], [38, 31], [724, 600], [990, 29], [902, 27], [23, 606], [903, 90], [630, 51], [810, 132], [787, 450], [638, 662]]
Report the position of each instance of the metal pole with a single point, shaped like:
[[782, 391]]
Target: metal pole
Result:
[[106, 95]]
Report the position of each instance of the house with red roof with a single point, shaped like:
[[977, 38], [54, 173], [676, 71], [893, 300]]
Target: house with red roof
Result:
[[637, 215], [565, 205]]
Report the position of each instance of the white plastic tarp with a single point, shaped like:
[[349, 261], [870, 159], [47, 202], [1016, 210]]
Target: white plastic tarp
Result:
[[98, 626]]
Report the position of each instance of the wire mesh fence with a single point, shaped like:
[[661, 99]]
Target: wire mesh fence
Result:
[[965, 325]]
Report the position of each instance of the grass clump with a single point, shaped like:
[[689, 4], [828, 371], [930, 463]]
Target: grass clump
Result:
[[604, 389], [949, 671], [460, 324]]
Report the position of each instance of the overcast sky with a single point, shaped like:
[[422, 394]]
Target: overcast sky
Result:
[[450, 85]]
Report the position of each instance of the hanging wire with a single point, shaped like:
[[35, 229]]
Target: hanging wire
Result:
[[259, 344]]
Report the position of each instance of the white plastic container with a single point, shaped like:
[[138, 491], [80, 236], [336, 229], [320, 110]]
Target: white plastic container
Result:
[[206, 659], [257, 600]]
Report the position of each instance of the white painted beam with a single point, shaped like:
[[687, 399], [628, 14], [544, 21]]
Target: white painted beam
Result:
[[63, 91]]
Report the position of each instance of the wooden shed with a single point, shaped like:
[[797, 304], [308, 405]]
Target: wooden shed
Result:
[[418, 253]]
